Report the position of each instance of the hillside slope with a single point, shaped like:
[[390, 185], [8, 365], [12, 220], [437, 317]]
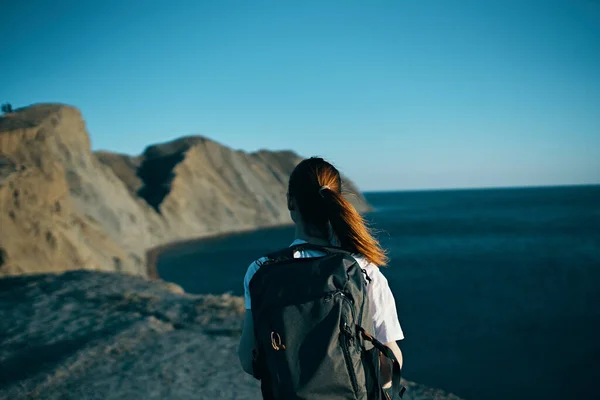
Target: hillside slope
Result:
[[64, 207]]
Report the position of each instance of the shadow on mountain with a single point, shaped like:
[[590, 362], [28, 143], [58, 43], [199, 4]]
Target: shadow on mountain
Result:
[[157, 176], [157, 168]]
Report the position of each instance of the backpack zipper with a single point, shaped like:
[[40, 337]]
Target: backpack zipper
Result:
[[330, 296], [347, 337]]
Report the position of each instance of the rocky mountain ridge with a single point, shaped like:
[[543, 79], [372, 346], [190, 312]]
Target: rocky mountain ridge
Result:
[[64, 207]]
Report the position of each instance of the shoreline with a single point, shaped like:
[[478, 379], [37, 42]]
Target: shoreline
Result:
[[153, 253]]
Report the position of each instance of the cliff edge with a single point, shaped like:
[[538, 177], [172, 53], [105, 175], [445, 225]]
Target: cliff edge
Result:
[[91, 335]]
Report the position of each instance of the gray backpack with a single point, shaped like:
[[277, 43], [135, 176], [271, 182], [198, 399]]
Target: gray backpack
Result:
[[312, 324]]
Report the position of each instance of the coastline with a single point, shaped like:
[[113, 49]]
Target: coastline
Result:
[[155, 252]]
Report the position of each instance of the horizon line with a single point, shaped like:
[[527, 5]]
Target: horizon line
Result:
[[475, 188]]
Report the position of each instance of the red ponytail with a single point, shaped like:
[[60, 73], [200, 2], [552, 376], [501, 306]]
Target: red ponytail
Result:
[[316, 186]]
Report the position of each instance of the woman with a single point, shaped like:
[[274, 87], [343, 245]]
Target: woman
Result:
[[324, 217]]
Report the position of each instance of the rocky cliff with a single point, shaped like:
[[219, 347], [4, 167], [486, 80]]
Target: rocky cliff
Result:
[[93, 335], [64, 207]]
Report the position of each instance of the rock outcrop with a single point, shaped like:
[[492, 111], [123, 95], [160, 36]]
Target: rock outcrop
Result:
[[64, 207], [93, 335]]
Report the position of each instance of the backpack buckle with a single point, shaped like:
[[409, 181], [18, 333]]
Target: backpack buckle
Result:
[[365, 335]]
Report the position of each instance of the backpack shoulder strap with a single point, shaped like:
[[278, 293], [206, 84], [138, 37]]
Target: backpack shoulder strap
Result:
[[288, 252], [330, 250], [327, 250], [280, 255], [324, 249], [397, 388]]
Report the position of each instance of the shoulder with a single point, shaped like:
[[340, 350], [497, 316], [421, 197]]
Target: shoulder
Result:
[[378, 284], [252, 268]]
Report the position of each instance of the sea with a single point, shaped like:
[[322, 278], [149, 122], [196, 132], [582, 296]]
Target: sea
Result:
[[497, 290]]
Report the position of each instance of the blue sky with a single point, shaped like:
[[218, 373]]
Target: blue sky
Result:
[[400, 95]]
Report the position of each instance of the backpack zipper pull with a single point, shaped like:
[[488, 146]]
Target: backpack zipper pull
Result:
[[332, 295], [348, 332], [276, 341], [367, 277]]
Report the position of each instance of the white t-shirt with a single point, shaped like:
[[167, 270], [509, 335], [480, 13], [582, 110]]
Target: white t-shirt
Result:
[[385, 318]]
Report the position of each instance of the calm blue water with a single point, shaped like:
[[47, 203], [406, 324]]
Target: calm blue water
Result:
[[498, 291]]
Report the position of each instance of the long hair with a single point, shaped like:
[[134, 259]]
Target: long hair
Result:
[[316, 187]]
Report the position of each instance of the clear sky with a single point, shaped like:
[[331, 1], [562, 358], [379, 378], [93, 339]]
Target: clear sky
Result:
[[399, 94]]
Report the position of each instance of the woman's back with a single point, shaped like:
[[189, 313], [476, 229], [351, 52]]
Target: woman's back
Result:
[[386, 326], [322, 216]]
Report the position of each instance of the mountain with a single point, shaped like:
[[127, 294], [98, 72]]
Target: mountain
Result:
[[64, 207]]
